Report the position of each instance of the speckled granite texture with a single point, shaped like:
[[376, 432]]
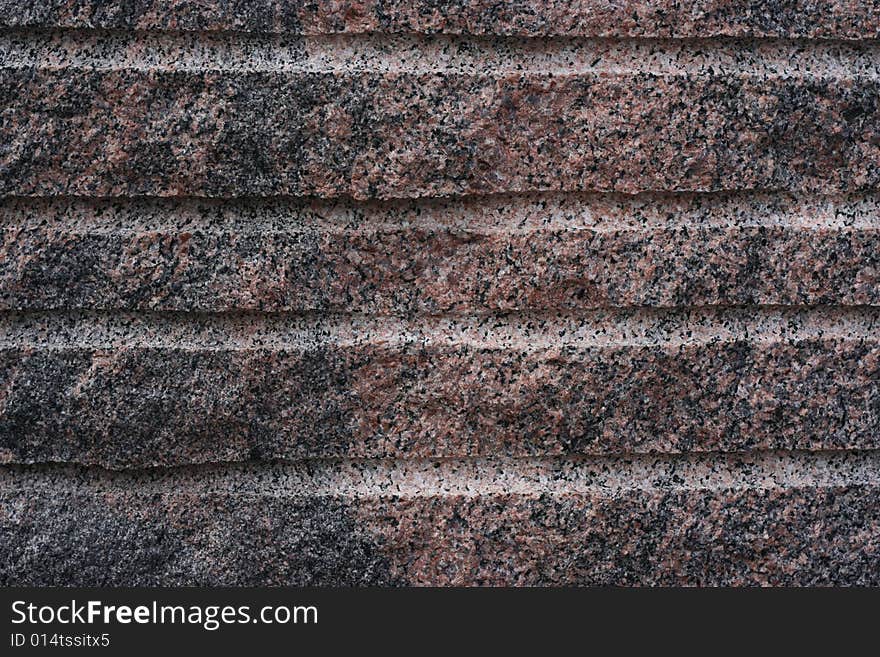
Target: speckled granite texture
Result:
[[840, 19], [186, 115], [450, 293], [169, 389], [545, 252], [698, 523]]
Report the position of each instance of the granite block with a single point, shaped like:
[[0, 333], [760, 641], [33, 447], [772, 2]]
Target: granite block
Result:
[[85, 116], [447, 293], [836, 19], [69, 527], [523, 253], [128, 391]]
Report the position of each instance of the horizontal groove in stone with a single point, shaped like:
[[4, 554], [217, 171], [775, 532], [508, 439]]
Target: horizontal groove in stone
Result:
[[475, 255], [466, 477], [170, 389], [822, 18], [194, 53], [518, 331], [505, 213]]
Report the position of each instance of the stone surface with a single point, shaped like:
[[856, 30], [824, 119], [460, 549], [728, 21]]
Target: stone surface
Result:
[[113, 531], [447, 293], [177, 116], [536, 253], [645, 18], [175, 389]]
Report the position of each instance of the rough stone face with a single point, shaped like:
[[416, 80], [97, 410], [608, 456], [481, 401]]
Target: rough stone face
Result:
[[439, 293], [538, 253], [840, 19], [390, 123], [185, 541], [136, 393], [62, 532]]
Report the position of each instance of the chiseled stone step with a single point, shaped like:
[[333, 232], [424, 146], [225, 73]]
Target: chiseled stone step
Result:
[[163, 389], [373, 117], [468, 256], [777, 519], [841, 19]]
